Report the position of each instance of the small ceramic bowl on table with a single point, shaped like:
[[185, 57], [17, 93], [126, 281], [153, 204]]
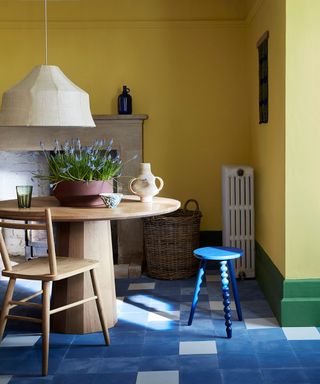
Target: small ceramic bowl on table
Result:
[[111, 200]]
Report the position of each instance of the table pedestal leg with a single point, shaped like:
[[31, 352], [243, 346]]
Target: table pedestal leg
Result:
[[90, 240]]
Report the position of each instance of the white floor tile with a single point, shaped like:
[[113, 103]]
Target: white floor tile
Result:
[[197, 347], [164, 316], [4, 379], [218, 305], [19, 341], [120, 302], [158, 377], [261, 323], [301, 333], [138, 286]]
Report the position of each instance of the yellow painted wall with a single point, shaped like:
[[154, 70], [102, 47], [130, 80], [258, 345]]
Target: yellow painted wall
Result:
[[189, 76], [268, 140], [197, 78], [302, 139], [95, 10]]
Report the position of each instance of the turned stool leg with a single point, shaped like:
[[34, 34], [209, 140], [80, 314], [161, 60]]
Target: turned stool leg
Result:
[[201, 272], [226, 297], [235, 289]]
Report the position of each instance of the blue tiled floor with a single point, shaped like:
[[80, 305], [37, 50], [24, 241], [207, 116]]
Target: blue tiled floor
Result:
[[141, 342]]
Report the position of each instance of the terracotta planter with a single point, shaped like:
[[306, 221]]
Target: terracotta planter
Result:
[[82, 194]]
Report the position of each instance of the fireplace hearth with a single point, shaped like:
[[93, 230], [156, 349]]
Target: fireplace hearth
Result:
[[21, 158]]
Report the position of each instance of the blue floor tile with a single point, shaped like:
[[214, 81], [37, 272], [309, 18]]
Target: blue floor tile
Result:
[[309, 358], [282, 359], [256, 308], [231, 360], [199, 362], [247, 376], [75, 379], [89, 339], [251, 356], [166, 349], [113, 378], [14, 353], [126, 337], [31, 380], [281, 376], [200, 376], [31, 365], [79, 366], [313, 375], [82, 352], [161, 363], [118, 364], [199, 315], [261, 346], [266, 334], [59, 339], [162, 337], [233, 345], [305, 345]]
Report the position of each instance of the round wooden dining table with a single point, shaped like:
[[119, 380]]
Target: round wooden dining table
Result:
[[86, 233]]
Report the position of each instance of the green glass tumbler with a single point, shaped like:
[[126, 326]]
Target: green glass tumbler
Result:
[[24, 193]]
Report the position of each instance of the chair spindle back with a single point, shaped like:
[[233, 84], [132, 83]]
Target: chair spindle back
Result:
[[45, 225]]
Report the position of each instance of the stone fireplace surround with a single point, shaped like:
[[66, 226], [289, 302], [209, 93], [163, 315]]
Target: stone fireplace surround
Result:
[[21, 157]]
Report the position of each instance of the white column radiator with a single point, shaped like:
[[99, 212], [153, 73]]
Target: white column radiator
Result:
[[238, 216]]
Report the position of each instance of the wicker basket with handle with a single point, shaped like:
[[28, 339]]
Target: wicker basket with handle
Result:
[[169, 241]]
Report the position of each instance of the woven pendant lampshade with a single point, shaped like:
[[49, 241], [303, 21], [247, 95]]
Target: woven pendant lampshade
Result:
[[46, 97]]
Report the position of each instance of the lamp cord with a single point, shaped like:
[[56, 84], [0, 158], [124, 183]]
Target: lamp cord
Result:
[[46, 32]]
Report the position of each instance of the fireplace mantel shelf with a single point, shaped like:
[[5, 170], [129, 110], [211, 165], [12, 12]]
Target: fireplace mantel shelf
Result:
[[120, 117], [107, 126]]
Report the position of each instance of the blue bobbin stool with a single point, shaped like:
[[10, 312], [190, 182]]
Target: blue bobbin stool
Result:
[[225, 256]]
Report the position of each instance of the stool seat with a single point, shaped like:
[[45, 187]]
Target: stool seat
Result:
[[218, 253], [224, 255]]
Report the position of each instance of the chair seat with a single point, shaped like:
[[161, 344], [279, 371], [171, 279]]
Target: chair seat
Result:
[[38, 269], [218, 253]]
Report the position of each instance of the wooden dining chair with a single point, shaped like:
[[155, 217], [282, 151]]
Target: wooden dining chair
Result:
[[45, 269]]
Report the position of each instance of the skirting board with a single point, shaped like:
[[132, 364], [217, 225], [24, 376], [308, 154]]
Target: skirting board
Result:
[[270, 280], [301, 303], [295, 302]]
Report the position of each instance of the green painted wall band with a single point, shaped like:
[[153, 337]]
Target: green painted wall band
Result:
[[295, 302]]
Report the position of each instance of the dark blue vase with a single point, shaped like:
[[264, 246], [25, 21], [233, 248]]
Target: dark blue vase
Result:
[[125, 102]]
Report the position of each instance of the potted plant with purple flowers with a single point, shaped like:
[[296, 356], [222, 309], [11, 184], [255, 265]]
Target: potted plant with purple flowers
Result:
[[80, 173]]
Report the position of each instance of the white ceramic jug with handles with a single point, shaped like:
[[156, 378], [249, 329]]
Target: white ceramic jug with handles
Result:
[[145, 184]]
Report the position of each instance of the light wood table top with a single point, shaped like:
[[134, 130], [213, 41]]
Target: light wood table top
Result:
[[129, 208], [85, 233]]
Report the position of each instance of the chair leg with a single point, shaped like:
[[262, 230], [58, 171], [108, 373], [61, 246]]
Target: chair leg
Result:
[[6, 306], [226, 297], [201, 272], [45, 326], [96, 291], [235, 289]]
